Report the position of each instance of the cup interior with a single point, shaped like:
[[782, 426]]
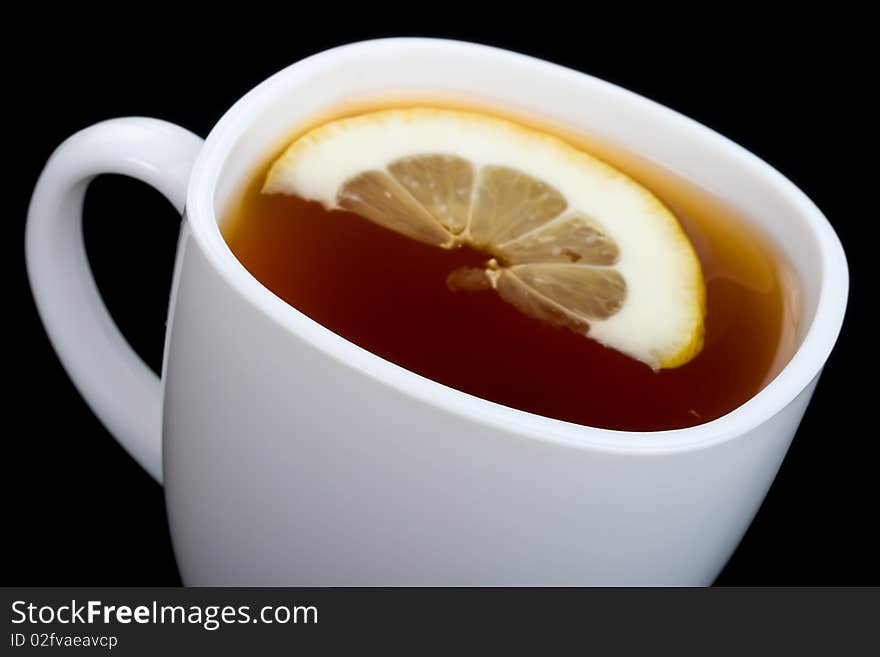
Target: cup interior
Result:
[[265, 119]]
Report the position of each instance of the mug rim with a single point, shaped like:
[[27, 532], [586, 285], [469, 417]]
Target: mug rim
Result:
[[804, 365]]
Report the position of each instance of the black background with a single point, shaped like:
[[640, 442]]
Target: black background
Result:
[[78, 511]]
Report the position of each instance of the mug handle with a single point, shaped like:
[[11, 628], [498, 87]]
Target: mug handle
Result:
[[121, 390]]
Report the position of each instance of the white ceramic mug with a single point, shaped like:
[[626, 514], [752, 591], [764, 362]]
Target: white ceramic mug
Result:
[[290, 456]]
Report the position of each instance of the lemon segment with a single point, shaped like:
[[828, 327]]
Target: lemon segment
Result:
[[569, 239]]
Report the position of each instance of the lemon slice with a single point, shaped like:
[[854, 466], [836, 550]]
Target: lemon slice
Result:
[[569, 239]]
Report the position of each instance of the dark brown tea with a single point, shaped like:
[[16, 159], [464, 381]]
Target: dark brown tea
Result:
[[388, 294]]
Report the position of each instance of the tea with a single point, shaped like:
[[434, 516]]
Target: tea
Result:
[[388, 293]]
